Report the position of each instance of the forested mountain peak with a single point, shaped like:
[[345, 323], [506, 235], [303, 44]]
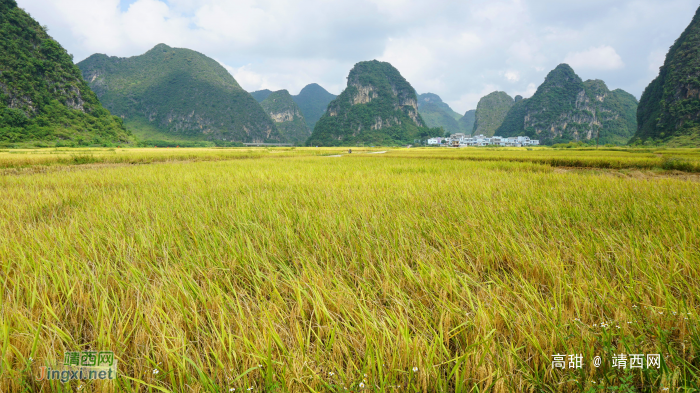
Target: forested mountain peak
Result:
[[178, 92], [43, 96], [313, 101], [378, 107], [491, 111], [564, 109]]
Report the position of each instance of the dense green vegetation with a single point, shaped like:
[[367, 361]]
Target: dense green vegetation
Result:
[[466, 122], [378, 107], [288, 117], [181, 93], [490, 112], [313, 101], [566, 109], [260, 95], [436, 113], [669, 110], [43, 97]]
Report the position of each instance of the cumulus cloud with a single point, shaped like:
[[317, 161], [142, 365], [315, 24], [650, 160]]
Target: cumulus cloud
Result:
[[601, 58], [460, 50], [512, 76]]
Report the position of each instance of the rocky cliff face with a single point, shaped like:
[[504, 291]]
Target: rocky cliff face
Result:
[[490, 112], [669, 110], [565, 109], [288, 117], [181, 93], [378, 107]]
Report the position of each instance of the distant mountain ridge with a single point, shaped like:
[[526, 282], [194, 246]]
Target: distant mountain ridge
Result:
[[437, 113], [288, 117], [261, 95], [313, 101], [181, 93], [669, 109], [378, 107], [43, 96], [565, 108]]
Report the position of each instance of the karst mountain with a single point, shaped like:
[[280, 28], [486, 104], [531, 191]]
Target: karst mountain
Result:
[[378, 106], [178, 93], [565, 108]]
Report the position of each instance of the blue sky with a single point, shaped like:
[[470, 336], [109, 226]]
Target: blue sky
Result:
[[124, 4], [460, 50]]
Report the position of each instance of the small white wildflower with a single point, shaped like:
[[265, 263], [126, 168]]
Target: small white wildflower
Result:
[[259, 365], [232, 390], [155, 372], [31, 359], [362, 385], [331, 374], [415, 369], [661, 312]]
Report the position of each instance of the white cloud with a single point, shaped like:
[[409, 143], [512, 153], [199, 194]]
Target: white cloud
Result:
[[528, 92], [512, 76], [599, 58]]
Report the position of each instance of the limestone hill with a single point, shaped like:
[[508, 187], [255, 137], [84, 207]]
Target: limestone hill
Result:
[[178, 92]]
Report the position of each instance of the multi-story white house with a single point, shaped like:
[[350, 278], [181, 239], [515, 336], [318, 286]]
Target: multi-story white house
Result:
[[435, 141]]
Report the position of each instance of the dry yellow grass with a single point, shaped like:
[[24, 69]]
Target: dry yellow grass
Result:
[[294, 272]]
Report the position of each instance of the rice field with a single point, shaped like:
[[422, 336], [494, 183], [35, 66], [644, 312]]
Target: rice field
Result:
[[313, 270]]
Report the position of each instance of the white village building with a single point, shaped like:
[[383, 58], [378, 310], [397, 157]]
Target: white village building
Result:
[[461, 140]]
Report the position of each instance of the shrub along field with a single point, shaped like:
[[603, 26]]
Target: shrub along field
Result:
[[417, 270]]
